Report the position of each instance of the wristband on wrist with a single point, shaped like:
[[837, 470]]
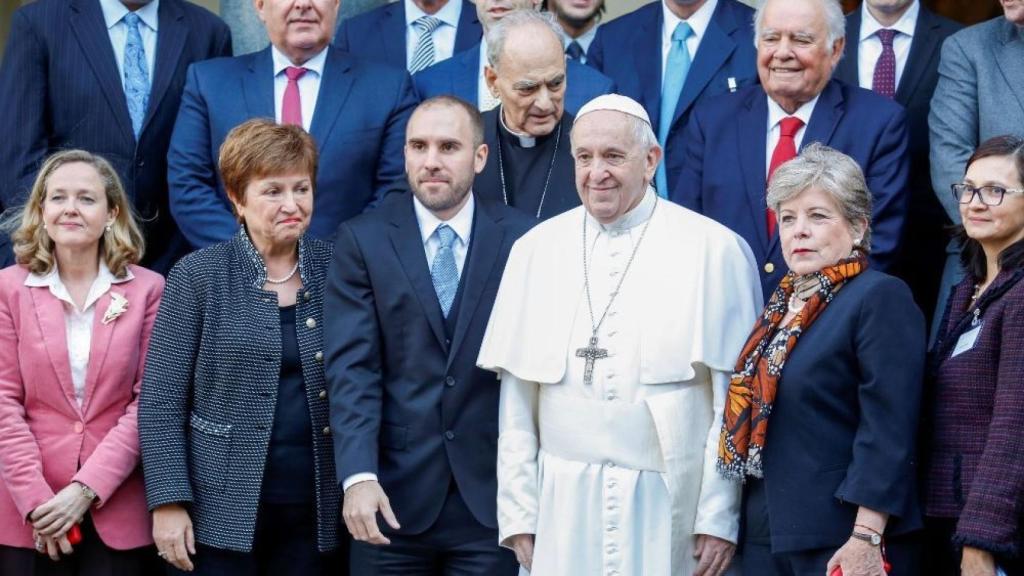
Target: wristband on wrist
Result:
[[86, 491], [868, 528]]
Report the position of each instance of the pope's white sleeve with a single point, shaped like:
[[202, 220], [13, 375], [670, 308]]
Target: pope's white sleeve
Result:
[[719, 506], [518, 482]]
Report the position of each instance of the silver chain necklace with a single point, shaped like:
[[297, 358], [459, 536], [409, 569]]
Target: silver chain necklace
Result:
[[591, 352], [547, 179]]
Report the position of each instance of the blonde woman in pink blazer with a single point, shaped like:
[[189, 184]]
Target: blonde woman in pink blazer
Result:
[[75, 319]]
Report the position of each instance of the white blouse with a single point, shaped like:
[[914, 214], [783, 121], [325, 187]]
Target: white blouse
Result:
[[78, 323]]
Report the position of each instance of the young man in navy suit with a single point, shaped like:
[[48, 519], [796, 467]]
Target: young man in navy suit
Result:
[[65, 76], [414, 420]]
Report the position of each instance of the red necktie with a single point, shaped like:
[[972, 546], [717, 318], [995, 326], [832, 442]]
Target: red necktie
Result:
[[291, 105], [785, 150], [884, 79]]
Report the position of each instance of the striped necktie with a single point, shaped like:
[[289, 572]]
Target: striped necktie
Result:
[[423, 56]]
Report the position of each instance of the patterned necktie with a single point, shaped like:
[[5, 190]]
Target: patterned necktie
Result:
[[677, 65], [423, 56], [785, 150], [574, 51], [291, 104], [136, 73], [884, 80], [443, 271]]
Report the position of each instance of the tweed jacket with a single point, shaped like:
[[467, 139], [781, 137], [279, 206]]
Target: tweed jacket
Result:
[[210, 390], [975, 471]]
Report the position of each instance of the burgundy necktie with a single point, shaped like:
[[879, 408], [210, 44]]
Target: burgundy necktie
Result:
[[291, 105], [884, 80], [785, 150]]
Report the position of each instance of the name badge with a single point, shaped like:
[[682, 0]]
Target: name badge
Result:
[[966, 341], [732, 84]]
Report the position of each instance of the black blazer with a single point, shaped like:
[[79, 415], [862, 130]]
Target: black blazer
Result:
[[407, 402], [844, 426], [62, 89]]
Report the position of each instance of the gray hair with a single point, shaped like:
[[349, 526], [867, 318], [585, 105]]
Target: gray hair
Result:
[[834, 19], [500, 30], [832, 171]]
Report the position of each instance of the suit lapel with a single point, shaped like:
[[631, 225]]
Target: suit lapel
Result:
[[751, 141], [468, 33], [258, 85], [408, 244], [50, 313], [487, 184], [715, 49], [848, 69], [334, 89], [647, 56], [1009, 57], [392, 25], [922, 49], [465, 81], [101, 336], [90, 29], [486, 242], [170, 41]]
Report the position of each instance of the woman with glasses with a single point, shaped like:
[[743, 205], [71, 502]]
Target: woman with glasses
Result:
[[974, 475]]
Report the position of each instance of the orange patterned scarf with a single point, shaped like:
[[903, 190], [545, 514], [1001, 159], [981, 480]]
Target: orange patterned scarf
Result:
[[754, 383]]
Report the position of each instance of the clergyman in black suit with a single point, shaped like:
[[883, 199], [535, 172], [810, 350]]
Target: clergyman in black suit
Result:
[[414, 420], [105, 76], [901, 39]]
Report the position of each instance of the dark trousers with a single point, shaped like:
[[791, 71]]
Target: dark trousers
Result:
[[455, 545], [90, 558], [756, 557], [943, 559], [284, 544]]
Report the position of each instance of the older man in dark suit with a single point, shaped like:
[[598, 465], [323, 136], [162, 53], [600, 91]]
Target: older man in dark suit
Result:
[[105, 76], [893, 48], [735, 142], [409, 294]]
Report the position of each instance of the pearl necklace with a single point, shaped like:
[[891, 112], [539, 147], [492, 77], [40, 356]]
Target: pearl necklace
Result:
[[286, 278]]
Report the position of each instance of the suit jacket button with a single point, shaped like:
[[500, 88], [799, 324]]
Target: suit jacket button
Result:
[[327, 431], [449, 435], [78, 428], [306, 296], [449, 381], [322, 395], [319, 356], [769, 267], [310, 323]]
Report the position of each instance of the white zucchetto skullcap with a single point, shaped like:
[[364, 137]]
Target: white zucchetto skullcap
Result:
[[616, 102]]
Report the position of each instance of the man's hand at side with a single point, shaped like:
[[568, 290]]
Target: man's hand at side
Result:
[[362, 502]]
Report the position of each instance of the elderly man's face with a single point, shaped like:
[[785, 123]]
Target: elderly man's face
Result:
[[490, 11], [612, 168], [441, 159], [1014, 11], [298, 28], [530, 80], [794, 59]]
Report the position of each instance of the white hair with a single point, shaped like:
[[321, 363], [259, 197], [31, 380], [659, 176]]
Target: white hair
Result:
[[834, 20], [499, 31]]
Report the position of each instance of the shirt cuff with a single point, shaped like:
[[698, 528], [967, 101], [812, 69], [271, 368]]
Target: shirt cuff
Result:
[[356, 479]]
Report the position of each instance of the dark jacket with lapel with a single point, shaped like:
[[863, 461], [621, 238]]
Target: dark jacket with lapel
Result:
[[843, 429], [358, 125], [209, 392], [628, 49], [407, 404], [731, 130], [380, 35], [62, 89], [923, 246], [460, 76]]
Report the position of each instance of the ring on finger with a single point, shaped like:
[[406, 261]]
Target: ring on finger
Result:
[[162, 554]]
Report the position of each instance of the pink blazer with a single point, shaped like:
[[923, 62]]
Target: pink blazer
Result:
[[46, 440]]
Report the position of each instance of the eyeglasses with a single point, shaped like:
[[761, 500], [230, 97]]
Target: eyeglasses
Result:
[[990, 195]]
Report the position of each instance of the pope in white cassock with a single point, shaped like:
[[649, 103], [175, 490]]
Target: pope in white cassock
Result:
[[614, 333]]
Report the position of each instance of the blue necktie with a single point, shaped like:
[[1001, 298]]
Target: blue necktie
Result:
[[423, 55], [676, 66], [136, 73], [443, 271]]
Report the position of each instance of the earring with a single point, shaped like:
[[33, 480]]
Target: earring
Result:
[[108, 228]]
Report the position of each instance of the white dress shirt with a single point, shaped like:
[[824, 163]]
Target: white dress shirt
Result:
[[309, 84], [113, 15], [584, 41], [698, 22], [484, 99], [775, 116], [462, 225], [870, 47], [443, 35], [78, 324]]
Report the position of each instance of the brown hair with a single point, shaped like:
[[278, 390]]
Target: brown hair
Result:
[[476, 121], [259, 148], [120, 246]]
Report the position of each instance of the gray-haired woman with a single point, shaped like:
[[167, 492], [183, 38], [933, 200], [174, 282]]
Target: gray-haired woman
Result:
[[837, 476]]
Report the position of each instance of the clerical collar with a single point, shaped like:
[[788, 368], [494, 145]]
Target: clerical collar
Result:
[[525, 140], [635, 217]]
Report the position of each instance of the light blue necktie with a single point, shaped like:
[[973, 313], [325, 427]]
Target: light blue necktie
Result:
[[136, 73], [443, 271], [423, 55], [676, 67]]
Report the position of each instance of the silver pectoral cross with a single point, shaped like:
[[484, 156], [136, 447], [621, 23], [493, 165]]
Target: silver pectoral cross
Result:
[[591, 353]]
